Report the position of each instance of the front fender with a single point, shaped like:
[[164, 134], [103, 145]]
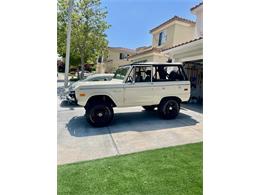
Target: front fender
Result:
[[82, 100]]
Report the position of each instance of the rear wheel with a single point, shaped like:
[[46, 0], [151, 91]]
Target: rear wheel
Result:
[[169, 109], [149, 108], [99, 115]]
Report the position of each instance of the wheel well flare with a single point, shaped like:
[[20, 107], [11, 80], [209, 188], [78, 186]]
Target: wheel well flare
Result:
[[171, 98], [100, 99]]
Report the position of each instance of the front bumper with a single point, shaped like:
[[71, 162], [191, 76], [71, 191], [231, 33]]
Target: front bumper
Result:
[[71, 97]]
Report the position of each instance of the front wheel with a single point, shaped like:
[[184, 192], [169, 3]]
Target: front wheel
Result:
[[169, 109], [100, 115]]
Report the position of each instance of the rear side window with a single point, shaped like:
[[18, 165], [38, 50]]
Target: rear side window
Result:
[[163, 73]]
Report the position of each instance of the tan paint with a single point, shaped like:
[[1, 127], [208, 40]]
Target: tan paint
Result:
[[182, 34]]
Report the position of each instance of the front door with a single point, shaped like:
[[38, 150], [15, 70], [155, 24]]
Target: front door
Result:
[[138, 89]]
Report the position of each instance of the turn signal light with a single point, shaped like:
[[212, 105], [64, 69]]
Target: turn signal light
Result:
[[82, 94]]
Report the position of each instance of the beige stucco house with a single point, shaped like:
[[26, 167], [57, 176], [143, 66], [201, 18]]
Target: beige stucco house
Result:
[[116, 56], [191, 49], [179, 40], [172, 32]]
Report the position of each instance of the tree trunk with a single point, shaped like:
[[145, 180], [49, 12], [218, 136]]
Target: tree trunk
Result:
[[82, 66], [78, 72]]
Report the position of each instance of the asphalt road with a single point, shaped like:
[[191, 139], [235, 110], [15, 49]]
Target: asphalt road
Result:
[[132, 130]]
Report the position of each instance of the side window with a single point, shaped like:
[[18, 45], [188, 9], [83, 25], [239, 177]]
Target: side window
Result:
[[143, 74], [167, 73]]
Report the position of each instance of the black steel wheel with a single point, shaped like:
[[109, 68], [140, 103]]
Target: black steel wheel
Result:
[[99, 115], [169, 109]]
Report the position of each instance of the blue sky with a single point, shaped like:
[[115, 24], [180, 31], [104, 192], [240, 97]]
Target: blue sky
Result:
[[132, 20]]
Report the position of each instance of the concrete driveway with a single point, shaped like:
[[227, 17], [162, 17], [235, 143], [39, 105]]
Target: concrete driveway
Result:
[[132, 130]]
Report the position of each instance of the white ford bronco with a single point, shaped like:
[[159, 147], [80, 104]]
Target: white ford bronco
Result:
[[149, 85]]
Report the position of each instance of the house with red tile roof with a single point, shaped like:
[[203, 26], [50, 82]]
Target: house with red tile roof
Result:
[[179, 40], [116, 56], [172, 32]]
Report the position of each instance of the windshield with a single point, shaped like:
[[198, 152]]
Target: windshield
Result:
[[121, 73], [89, 78]]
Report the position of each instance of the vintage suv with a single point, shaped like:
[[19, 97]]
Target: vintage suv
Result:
[[150, 85]]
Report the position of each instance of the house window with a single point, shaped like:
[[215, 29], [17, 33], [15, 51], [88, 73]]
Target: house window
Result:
[[100, 59], [123, 56], [162, 38]]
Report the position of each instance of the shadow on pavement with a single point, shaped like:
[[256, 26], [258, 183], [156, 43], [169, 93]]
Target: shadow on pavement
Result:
[[131, 121], [68, 104], [79, 127], [194, 107]]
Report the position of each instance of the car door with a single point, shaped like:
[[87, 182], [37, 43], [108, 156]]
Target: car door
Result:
[[170, 80], [138, 88]]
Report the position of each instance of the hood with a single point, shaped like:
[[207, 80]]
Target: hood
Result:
[[96, 84], [74, 85]]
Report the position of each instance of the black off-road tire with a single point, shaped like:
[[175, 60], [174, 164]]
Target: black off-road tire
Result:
[[169, 109], [149, 108], [99, 114]]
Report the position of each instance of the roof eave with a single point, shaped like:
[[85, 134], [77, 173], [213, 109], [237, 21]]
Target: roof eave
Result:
[[196, 6], [175, 18], [186, 44]]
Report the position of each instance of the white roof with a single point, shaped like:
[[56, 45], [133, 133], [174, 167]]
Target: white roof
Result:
[[100, 75], [159, 63], [153, 63]]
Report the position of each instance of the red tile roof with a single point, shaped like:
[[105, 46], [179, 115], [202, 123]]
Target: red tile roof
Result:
[[123, 49], [175, 18], [156, 50], [196, 6], [193, 40]]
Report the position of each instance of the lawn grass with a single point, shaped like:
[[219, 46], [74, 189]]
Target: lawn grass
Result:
[[173, 170]]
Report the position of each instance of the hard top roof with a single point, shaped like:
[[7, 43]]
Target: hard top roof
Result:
[[100, 75], [153, 63]]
